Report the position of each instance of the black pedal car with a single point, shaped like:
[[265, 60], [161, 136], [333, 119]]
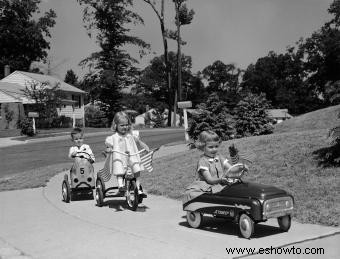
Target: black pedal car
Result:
[[245, 203]]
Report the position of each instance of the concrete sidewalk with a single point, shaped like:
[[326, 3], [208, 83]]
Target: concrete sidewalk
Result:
[[35, 223]]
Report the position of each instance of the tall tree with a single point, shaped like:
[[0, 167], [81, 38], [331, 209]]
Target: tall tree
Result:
[[112, 68], [224, 79], [183, 17], [71, 78], [22, 38], [152, 82], [322, 53], [161, 18]]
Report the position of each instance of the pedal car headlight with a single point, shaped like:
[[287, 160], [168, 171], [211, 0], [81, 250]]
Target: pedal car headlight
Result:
[[89, 179]]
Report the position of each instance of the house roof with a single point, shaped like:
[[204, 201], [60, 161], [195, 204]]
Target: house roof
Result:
[[8, 98], [51, 80], [278, 113], [15, 91]]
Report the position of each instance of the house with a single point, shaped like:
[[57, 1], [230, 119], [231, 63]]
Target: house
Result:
[[12, 86], [278, 115]]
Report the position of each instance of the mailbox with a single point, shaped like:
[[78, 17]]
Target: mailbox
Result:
[[33, 114], [183, 105]]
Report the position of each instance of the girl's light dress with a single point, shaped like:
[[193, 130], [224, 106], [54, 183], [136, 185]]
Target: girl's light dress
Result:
[[122, 144], [215, 166]]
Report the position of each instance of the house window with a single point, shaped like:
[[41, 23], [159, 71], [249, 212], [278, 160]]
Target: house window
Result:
[[76, 98]]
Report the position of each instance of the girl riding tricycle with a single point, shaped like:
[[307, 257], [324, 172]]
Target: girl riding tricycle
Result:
[[124, 162]]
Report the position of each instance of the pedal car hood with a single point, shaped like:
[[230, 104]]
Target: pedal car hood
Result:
[[252, 190]]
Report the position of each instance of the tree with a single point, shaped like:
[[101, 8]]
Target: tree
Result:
[[224, 80], [251, 116], [23, 39], [71, 78], [161, 17], [282, 78], [152, 81], [46, 99], [111, 68], [183, 17]]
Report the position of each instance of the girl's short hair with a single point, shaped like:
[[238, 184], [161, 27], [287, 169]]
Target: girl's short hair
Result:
[[119, 116], [206, 136]]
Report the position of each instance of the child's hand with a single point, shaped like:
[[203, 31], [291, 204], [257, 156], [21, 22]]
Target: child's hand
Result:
[[74, 154], [224, 181]]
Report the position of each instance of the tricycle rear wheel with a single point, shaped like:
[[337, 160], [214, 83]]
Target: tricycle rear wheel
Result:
[[194, 219], [99, 197], [100, 184], [284, 222], [246, 226]]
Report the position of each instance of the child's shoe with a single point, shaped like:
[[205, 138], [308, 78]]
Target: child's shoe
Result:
[[142, 194]]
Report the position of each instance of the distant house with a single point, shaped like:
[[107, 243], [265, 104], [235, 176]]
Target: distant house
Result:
[[278, 115], [12, 86]]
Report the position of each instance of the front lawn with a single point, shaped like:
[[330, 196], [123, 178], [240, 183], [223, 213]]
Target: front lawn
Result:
[[284, 160]]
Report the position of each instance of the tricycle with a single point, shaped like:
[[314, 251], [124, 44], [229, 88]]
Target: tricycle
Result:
[[245, 203], [81, 180], [130, 189]]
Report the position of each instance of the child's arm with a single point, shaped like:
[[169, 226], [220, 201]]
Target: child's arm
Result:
[[212, 180], [72, 152], [143, 145], [89, 151]]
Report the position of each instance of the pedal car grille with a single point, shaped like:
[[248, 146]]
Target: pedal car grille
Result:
[[278, 207]]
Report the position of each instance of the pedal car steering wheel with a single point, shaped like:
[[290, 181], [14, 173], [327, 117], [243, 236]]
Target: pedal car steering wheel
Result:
[[88, 157], [236, 171]]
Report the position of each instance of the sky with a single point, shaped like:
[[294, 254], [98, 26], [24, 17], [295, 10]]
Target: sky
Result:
[[233, 31]]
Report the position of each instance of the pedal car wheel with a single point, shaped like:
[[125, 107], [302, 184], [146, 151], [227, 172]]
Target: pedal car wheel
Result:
[[99, 197], [246, 226], [284, 222], [66, 191], [194, 219], [132, 196]]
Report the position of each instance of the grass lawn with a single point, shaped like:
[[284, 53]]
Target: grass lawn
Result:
[[283, 160]]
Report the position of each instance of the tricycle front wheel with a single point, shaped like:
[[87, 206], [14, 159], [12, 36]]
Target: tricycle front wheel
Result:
[[284, 222], [132, 196], [194, 219], [246, 226]]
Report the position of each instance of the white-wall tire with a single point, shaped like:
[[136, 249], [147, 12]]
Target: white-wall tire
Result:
[[194, 219]]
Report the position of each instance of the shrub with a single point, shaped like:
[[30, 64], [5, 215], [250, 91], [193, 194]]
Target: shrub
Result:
[[94, 117], [212, 115], [26, 127], [251, 116]]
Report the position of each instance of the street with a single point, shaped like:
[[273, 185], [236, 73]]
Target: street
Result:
[[20, 158]]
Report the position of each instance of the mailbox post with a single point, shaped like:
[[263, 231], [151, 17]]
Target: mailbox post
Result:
[[33, 115], [184, 106]]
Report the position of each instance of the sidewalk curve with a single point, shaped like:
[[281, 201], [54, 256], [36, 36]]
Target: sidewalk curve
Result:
[[37, 224]]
